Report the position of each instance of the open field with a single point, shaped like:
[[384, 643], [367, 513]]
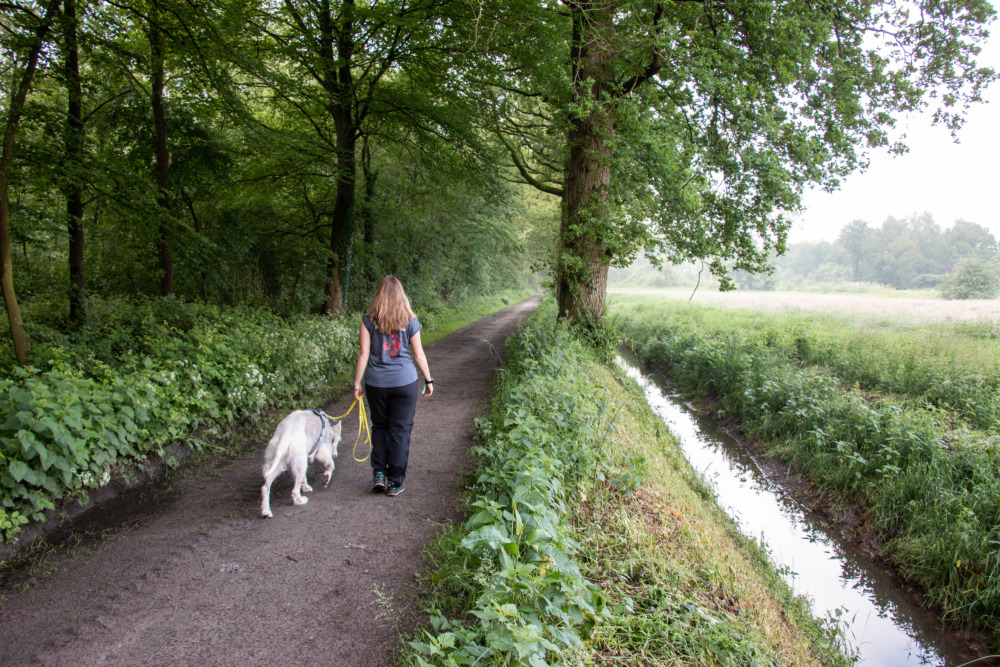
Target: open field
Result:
[[903, 307]]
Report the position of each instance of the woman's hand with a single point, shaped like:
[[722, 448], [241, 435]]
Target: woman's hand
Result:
[[428, 389], [364, 349]]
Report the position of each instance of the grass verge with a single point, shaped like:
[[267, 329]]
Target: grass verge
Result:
[[590, 540]]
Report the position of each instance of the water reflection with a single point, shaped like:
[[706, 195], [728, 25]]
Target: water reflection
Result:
[[881, 620]]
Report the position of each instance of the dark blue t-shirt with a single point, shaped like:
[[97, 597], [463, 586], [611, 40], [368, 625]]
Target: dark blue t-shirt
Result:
[[389, 363]]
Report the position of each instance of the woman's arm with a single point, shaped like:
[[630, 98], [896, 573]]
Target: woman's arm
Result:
[[359, 372], [421, 360]]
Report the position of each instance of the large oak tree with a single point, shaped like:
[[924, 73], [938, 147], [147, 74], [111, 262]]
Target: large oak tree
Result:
[[692, 127]]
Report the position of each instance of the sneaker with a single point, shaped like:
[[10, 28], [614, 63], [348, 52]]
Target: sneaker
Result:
[[379, 484], [395, 489]]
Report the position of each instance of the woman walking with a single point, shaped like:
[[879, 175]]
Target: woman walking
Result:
[[390, 344]]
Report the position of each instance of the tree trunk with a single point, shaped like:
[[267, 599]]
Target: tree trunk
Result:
[[371, 176], [22, 346], [74, 148], [339, 82], [582, 263], [164, 241]]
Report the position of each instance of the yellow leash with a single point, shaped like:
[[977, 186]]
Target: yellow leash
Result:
[[362, 426]]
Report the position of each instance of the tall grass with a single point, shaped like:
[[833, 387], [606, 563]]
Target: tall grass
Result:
[[928, 480], [951, 366]]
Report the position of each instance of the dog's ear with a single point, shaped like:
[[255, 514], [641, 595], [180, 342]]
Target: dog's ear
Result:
[[336, 428]]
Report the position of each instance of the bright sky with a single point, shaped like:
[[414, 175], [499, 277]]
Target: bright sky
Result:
[[950, 181]]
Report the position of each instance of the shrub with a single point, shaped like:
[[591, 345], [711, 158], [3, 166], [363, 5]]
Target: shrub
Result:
[[528, 602], [973, 279]]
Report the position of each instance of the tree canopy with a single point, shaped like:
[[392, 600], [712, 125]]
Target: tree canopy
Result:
[[692, 128], [290, 152]]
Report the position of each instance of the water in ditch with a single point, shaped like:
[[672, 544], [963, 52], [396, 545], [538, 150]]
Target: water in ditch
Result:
[[881, 620]]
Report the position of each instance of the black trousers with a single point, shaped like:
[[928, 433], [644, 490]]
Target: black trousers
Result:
[[392, 411]]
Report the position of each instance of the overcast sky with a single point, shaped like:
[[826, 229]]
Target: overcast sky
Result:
[[950, 181]]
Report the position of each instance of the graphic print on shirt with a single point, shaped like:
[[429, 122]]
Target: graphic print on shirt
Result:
[[392, 345]]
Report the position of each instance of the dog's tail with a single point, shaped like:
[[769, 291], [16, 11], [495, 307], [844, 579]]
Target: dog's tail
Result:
[[276, 450]]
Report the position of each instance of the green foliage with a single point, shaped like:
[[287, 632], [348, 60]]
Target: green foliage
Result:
[[946, 366], [692, 128], [973, 279], [513, 580], [149, 373], [926, 479], [560, 495]]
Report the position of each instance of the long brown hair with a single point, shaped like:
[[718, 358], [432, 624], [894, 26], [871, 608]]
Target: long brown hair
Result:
[[390, 309]]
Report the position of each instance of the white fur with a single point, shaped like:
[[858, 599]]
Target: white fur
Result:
[[289, 450]]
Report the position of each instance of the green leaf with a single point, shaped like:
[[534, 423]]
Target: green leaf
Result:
[[18, 469]]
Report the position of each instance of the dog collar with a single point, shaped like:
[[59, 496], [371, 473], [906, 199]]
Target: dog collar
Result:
[[324, 421]]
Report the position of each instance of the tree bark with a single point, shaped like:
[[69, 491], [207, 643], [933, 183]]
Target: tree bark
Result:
[[582, 263], [342, 227], [74, 149], [164, 241], [339, 82], [370, 176], [22, 345]]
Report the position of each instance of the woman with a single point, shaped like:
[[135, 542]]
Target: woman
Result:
[[390, 344]]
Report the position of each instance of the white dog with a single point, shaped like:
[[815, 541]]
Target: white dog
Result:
[[301, 437]]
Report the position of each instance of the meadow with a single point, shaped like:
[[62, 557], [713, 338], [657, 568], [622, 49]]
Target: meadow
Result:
[[893, 412], [913, 306]]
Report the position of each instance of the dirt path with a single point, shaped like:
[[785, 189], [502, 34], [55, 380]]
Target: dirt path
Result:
[[199, 578]]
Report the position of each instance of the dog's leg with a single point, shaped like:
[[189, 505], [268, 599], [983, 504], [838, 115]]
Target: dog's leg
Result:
[[272, 470], [265, 497], [305, 482], [324, 456], [274, 463], [299, 467]]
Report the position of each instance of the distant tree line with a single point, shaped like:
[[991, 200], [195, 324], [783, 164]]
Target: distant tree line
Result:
[[905, 254], [962, 261], [910, 253]]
